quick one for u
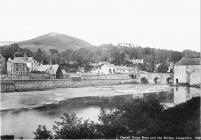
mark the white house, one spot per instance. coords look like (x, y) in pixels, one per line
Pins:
(187, 71)
(136, 61)
(108, 69)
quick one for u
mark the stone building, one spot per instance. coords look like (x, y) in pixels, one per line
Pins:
(21, 65)
(2, 64)
(53, 70)
(187, 71)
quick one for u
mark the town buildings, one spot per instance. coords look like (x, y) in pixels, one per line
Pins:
(113, 69)
(187, 71)
(136, 61)
(27, 66)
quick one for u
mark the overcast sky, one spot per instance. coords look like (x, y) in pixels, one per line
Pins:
(166, 24)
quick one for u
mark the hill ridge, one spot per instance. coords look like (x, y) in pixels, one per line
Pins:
(54, 41)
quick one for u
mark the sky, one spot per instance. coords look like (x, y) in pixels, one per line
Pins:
(165, 24)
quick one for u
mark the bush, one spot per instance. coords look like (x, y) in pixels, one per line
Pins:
(42, 133)
(136, 117)
(71, 127)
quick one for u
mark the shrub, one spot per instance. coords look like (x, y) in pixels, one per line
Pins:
(42, 133)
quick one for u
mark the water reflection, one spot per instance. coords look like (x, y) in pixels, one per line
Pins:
(24, 121)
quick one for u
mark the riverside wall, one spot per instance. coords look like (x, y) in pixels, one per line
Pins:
(29, 85)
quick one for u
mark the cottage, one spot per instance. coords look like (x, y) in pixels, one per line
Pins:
(108, 69)
(53, 70)
(187, 71)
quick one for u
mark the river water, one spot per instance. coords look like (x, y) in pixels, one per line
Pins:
(22, 112)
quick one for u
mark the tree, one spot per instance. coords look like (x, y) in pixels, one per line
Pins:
(163, 68)
(41, 56)
(142, 115)
(42, 133)
(71, 127)
(112, 124)
(176, 56)
(136, 117)
(53, 51)
(38, 56)
(190, 54)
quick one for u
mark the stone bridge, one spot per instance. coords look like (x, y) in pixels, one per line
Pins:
(154, 78)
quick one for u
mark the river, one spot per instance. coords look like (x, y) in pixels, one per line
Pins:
(22, 112)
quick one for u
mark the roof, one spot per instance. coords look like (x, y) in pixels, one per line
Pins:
(51, 69)
(94, 69)
(1, 57)
(63, 72)
(188, 61)
(22, 59)
(108, 65)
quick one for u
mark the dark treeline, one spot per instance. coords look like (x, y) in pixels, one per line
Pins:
(137, 117)
(71, 59)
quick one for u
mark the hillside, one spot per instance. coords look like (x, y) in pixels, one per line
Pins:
(54, 41)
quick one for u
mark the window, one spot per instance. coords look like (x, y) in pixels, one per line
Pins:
(110, 70)
(24, 67)
(16, 67)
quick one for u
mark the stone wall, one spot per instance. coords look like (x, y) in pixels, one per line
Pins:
(195, 77)
(105, 76)
(28, 85)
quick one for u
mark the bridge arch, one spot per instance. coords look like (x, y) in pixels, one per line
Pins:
(144, 80)
(168, 80)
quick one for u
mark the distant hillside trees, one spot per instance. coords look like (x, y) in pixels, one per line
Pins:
(10, 50)
(116, 54)
(163, 68)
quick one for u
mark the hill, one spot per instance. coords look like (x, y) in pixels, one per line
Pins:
(54, 41)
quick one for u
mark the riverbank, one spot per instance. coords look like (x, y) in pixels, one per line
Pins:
(32, 99)
(31, 85)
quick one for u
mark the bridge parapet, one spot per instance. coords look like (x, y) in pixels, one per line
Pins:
(155, 78)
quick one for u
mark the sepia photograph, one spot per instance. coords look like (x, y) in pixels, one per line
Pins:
(100, 69)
